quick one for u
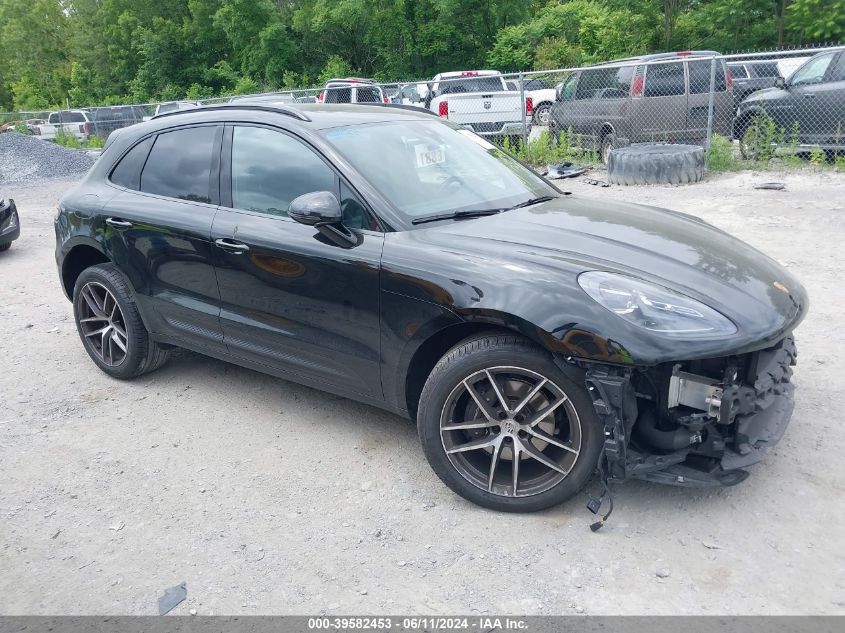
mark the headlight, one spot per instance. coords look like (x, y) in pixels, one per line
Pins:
(653, 307)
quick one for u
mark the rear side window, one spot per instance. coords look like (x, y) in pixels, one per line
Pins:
(269, 169)
(699, 77)
(605, 83)
(666, 80)
(128, 171)
(179, 165)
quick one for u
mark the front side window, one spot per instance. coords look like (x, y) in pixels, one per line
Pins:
(270, 169)
(429, 167)
(813, 71)
(179, 165)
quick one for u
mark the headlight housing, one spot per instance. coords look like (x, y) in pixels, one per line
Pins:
(655, 308)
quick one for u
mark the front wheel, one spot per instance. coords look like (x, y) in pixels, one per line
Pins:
(505, 428)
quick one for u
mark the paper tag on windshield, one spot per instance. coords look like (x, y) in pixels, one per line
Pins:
(430, 155)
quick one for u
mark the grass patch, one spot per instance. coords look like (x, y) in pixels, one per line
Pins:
(721, 155)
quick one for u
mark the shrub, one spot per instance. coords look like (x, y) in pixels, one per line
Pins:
(720, 154)
(67, 140)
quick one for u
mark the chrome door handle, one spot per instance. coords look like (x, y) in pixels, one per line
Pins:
(118, 223)
(230, 246)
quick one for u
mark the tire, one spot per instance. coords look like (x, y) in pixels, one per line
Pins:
(513, 363)
(5, 247)
(608, 143)
(541, 114)
(95, 294)
(656, 163)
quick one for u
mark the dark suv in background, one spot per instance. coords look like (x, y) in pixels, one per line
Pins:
(661, 97)
(751, 76)
(807, 109)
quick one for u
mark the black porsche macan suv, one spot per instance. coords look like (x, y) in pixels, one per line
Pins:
(389, 256)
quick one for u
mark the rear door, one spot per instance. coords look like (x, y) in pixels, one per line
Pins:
(158, 230)
(661, 113)
(698, 102)
(292, 300)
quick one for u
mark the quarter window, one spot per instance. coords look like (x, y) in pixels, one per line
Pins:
(128, 171)
(270, 169)
(179, 165)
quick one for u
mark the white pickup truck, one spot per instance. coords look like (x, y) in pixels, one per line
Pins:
(481, 101)
(71, 122)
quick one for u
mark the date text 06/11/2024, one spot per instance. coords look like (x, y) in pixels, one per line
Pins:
(417, 623)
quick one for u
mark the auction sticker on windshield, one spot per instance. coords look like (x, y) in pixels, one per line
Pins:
(429, 155)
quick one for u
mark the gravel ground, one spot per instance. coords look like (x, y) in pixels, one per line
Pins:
(267, 497)
(24, 158)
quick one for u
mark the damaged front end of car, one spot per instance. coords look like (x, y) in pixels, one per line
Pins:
(693, 423)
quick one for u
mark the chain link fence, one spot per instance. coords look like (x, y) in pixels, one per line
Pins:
(745, 107)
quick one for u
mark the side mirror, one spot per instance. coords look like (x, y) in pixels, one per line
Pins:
(321, 210)
(780, 82)
(316, 208)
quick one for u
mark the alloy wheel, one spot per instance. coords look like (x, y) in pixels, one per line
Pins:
(510, 431)
(102, 323)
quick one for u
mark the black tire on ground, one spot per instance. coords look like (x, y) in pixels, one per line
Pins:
(656, 163)
(5, 247)
(142, 354)
(505, 353)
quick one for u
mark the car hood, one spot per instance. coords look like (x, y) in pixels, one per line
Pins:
(765, 95)
(573, 234)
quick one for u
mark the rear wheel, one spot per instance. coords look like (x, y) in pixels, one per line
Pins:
(541, 114)
(110, 325)
(504, 427)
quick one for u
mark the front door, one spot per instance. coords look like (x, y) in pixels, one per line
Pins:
(291, 299)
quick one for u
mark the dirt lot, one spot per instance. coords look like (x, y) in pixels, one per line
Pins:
(268, 497)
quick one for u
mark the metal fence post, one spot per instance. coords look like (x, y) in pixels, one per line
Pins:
(710, 103)
(522, 106)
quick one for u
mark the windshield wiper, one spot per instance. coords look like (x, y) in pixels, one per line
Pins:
(457, 215)
(477, 213)
(528, 203)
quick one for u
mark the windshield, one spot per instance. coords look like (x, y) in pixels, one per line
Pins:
(428, 167)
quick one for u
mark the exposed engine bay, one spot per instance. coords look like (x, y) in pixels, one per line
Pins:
(694, 423)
